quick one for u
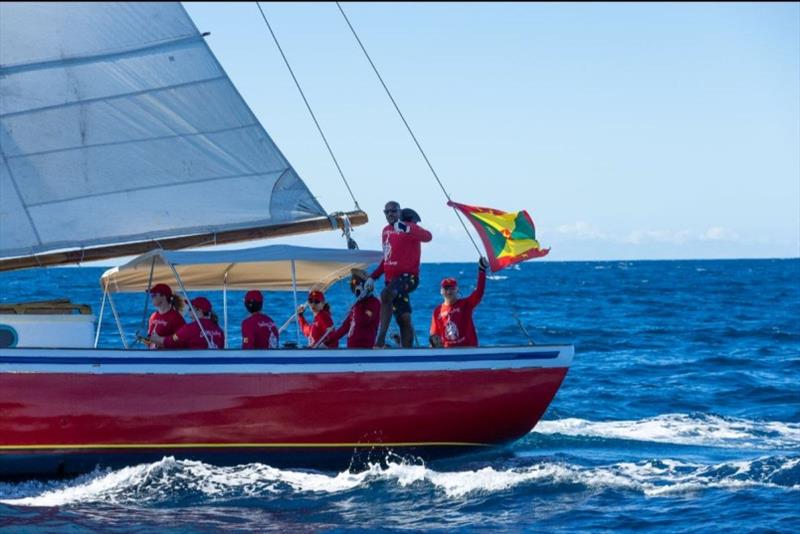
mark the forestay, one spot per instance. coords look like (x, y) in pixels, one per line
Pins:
(117, 124)
(268, 267)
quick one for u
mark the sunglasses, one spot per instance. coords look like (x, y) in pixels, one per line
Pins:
(391, 211)
(314, 301)
(448, 287)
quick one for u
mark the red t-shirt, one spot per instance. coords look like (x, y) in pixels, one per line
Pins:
(315, 330)
(453, 323)
(259, 332)
(164, 324)
(361, 324)
(191, 337)
(401, 251)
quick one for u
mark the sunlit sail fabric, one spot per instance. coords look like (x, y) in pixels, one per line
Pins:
(118, 124)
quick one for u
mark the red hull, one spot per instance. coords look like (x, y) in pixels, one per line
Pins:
(56, 417)
(467, 407)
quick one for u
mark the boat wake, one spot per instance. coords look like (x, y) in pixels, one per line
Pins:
(170, 480)
(684, 429)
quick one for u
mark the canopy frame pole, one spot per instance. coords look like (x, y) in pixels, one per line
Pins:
(189, 302)
(100, 316)
(119, 323)
(225, 306)
(294, 295)
(147, 292)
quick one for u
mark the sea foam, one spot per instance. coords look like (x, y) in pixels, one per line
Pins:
(170, 480)
(684, 429)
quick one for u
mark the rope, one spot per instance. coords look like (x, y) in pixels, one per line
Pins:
(410, 131)
(308, 106)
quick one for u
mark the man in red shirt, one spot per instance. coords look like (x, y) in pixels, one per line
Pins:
(401, 257)
(451, 324)
(190, 336)
(258, 330)
(362, 321)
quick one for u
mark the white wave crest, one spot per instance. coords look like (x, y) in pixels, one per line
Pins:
(169, 480)
(684, 429)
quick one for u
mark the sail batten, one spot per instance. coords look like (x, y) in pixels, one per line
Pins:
(118, 125)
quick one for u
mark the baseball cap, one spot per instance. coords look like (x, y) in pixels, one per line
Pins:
(161, 289)
(202, 304)
(254, 296)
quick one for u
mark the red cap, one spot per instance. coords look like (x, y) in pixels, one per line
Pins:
(449, 282)
(161, 289)
(254, 296)
(202, 304)
(316, 295)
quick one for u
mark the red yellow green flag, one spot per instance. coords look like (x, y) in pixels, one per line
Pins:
(509, 238)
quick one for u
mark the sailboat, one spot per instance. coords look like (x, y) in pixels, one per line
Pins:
(118, 131)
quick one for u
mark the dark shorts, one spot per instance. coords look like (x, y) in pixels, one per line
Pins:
(400, 288)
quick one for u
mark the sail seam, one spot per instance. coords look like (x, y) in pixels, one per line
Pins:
(319, 209)
(155, 186)
(132, 141)
(99, 56)
(113, 97)
(21, 199)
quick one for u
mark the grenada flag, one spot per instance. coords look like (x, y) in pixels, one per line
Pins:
(509, 238)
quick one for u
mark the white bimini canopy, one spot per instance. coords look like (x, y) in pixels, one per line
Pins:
(268, 267)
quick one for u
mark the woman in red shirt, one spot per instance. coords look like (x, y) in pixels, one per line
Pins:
(321, 323)
(167, 318)
(192, 336)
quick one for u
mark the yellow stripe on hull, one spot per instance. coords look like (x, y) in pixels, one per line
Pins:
(235, 445)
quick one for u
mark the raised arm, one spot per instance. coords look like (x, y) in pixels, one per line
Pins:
(304, 325)
(476, 296)
(419, 232)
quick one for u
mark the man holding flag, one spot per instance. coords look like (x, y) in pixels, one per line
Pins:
(451, 324)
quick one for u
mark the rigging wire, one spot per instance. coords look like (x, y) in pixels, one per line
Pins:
(308, 106)
(408, 127)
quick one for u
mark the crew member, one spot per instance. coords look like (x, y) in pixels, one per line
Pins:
(167, 318)
(362, 321)
(322, 324)
(451, 324)
(190, 336)
(258, 329)
(400, 265)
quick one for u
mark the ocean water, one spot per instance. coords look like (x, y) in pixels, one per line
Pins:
(681, 413)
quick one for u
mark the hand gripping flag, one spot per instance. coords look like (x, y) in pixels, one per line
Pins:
(509, 238)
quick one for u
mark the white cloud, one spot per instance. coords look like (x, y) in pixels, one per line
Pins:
(641, 237)
(718, 233)
(581, 230)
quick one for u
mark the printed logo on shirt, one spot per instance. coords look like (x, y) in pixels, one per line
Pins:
(213, 335)
(450, 331)
(387, 253)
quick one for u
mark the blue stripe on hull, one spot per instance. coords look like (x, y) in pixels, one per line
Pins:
(275, 360)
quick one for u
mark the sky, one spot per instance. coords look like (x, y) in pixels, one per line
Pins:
(628, 131)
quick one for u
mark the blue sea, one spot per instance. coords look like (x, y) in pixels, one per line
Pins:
(681, 413)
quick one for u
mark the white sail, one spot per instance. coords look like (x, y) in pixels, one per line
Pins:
(117, 124)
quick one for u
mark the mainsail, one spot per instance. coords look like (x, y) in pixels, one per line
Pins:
(118, 125)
